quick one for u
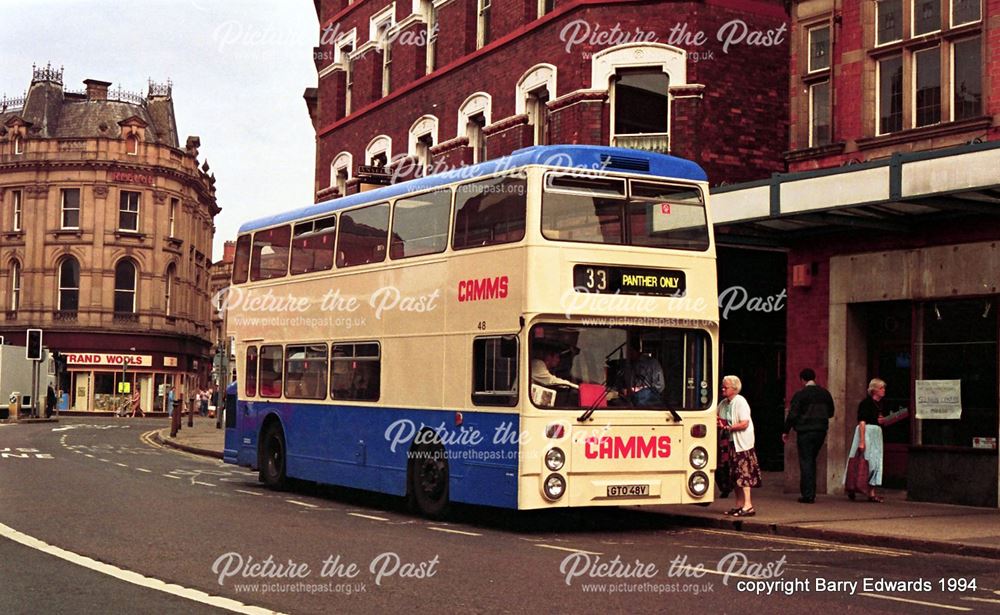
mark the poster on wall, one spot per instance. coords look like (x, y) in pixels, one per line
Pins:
(939, 399)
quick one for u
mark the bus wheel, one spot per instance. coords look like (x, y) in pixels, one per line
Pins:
(272, 461)
(429, 479)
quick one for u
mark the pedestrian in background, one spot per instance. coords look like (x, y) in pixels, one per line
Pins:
(868, 436)
(170, 400)
(809, 415)
(745, 468)
(50, 402)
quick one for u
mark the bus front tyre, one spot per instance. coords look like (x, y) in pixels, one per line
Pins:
(273, 457)
(428, 492)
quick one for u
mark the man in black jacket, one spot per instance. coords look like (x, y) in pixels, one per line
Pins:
(809, 415)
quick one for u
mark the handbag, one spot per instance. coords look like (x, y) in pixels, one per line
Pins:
(857, 475)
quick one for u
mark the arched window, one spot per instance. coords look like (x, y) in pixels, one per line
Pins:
(379, 151)
(340, 172)
(125, 287)
(69, 285)
(169, 288)
(423, 136)
(131, 145)
(536, 88)
(15, 285)
(473, 116)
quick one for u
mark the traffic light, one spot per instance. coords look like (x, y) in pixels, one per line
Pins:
(33, 350)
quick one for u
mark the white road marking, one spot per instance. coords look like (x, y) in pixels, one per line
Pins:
(172, 476)
(920, 602)
(144, 470)
(121, 464)
(568, 549)
(709, 571)
(131, 577)
(372, 517)
(198, 482)
(248, 492)
(298, 503)
(444, 529)
(989, 600)
(770, 538)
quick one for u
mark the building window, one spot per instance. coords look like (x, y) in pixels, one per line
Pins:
(345, 53)
(926, 16)
(964, 11)
(927, 87)
(16, 196)
(70, 198)
(379, 151)
(356, 371)
(819, 114)
(340, 172)
(169, 289)
(172, 221)
(967, 79)
(641, 106)
(889, 20)
(819, 48)
(535, 106)
(546, 6)
(69, 285)
(125, 279)
(380, 25)
(131, 145)
(432, 37)
(483, 24)
(18, 145)
(890, 95)
(15, 285)
(477, 140)
(422, 152)
(494, 371)
(362, 236)
(128, 211)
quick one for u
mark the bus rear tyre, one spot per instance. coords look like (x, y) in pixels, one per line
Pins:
(428, 492)
(273, 456)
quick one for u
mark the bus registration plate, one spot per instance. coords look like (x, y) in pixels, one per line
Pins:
(627, 491)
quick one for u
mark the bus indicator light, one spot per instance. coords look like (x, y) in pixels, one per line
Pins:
(555, 431)
(459, 419)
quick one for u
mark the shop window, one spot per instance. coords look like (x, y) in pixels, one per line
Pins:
(641, 106)
(489, 212)
(890, 95)
(312, 245)
(69, 285)
(494, 371)
(16, 200)
(356, 371)
(269, 257)
(362, 235)
(305, 372)
(967, 79)
(15, 285)
(420, 224)
(250, 375)
(125, 284)
(70, 203)
(128, 211)
(270, 371)
(241, 260)
(960, 343)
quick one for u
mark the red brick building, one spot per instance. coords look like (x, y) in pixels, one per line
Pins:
(430, 84)
(889, 218)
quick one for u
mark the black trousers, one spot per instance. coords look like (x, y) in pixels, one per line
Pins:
(809, 443)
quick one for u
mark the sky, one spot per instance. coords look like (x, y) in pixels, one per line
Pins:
(238, 67)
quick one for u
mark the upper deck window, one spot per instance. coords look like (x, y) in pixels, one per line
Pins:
(363, 234)
(312, 245)
(420, 224)
(269, 257)
(241, 262)
(598, 210)
(490, 212)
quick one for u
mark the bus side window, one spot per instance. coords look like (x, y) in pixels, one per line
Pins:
(494, 371)
(270, 371)
(356, 371)
(490, 212)
(241, 262)
(251, 372)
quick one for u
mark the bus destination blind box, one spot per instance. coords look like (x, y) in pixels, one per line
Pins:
(33, 346)
(606, 279)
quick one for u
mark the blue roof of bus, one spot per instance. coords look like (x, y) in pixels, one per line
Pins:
(583, 157)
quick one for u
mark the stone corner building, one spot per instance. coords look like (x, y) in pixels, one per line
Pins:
(106, 233)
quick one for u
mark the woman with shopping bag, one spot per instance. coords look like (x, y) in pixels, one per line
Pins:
(867, 448)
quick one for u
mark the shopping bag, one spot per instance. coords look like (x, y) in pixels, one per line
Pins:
(857, 475)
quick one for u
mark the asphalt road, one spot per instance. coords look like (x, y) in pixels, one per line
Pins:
(95, 518)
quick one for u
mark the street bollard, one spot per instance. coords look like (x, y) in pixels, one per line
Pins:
(175, 419)
(191, 412)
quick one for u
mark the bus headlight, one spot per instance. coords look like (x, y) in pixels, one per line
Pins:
(698, 484)
(699, 458)
(554, 487)
(555, 458)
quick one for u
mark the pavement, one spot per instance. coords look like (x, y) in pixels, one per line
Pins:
(895, 523)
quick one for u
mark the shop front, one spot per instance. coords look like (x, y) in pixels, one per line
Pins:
(102, 382)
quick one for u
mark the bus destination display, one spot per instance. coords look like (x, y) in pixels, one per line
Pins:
(606, 279)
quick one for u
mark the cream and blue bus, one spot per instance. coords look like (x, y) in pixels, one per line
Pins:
(535, 331)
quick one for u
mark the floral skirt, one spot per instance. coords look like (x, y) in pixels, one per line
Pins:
(744, 469)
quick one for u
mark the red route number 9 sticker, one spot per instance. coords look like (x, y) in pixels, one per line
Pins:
(664, 208)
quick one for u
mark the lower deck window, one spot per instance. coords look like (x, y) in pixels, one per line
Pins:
(494, 371)
(356, 371)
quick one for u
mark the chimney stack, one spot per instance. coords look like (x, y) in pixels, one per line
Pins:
(97, 90)
(229, 251)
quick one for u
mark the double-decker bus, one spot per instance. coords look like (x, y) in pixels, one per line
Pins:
(535, 331)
